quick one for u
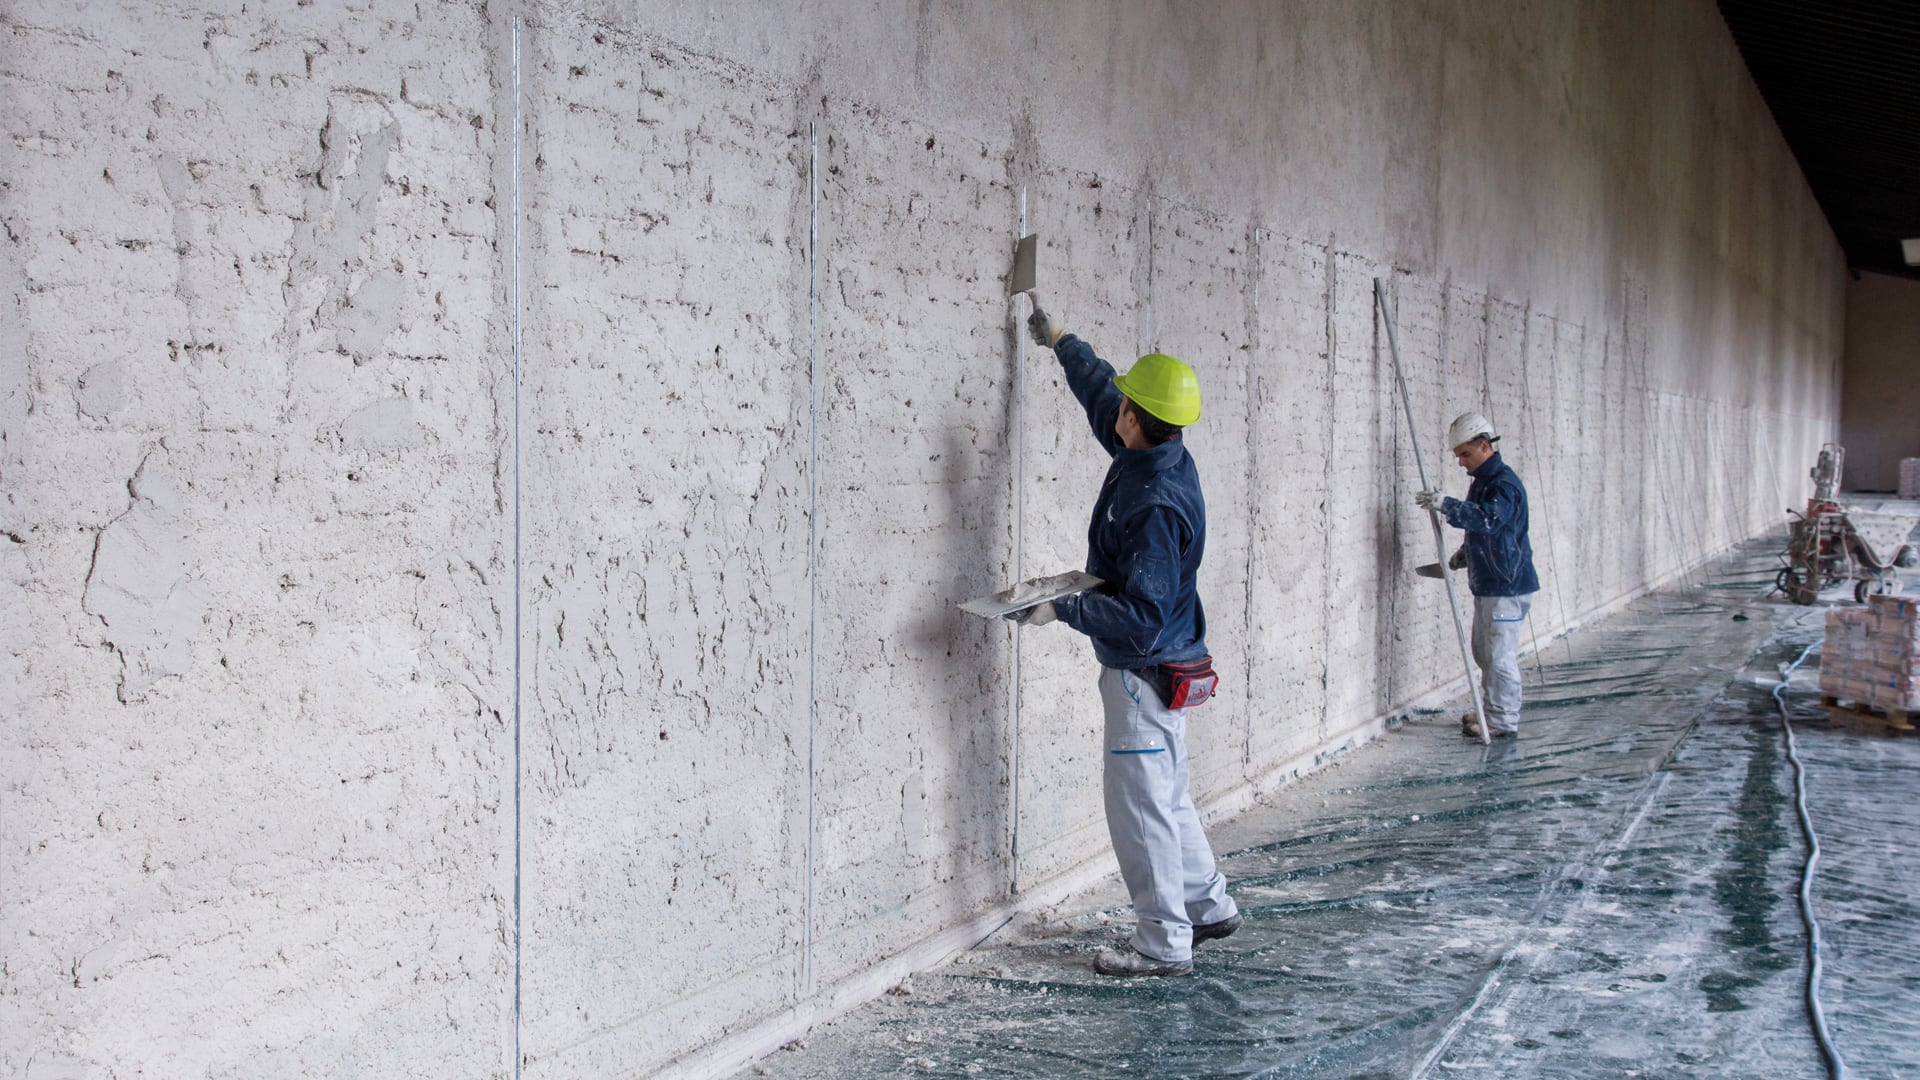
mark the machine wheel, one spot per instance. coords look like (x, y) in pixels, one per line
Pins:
(1907, 558)
(1885, 585)
(1796, 586)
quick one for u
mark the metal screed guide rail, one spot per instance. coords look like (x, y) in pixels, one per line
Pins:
(1433, 515)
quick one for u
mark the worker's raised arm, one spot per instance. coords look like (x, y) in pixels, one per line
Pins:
(1089, 377)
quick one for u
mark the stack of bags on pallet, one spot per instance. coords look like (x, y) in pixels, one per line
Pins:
(1871, 655)
(1910, 478)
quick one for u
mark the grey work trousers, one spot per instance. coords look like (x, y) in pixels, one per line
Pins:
(1496, 649)
(1163, 852)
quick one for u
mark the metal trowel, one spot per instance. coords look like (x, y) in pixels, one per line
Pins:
(1431, 569)
(1023, 263)
(1028, 593)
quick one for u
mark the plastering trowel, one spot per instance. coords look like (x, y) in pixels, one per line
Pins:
(1024, 273)
(1431, 569)
(1028, 593)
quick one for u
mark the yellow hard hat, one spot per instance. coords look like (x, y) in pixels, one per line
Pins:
(1164, 387)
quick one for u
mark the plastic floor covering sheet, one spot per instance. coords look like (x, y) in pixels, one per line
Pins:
(1614, 893)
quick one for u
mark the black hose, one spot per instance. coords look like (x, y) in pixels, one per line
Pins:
(1836, 1068)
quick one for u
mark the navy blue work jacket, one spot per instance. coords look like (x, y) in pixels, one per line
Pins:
(1148, 530)
(1494, 515)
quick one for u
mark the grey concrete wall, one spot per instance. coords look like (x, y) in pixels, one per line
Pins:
(375, 711)
(1880, 382)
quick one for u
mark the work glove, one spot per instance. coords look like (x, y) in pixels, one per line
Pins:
(1426, 500)
(1042, 327)
(1458, 561)
(1038, 615)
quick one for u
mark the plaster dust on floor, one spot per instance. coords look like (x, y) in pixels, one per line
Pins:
(1610, 894)
(485, 488)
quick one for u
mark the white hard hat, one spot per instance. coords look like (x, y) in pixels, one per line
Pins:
(1468, 427)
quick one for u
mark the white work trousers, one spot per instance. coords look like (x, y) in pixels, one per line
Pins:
(1164, 857)
(1496, 649)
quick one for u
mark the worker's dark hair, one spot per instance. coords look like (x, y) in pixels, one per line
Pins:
(1152, 428)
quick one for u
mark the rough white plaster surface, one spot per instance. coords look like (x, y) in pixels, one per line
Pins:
(369, 714)
(255, 816)
(143, 587)
(666, 499)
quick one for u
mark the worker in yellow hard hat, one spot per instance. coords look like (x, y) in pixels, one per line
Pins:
(1145, 540)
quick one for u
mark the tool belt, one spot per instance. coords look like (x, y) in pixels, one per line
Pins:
(1182, 684)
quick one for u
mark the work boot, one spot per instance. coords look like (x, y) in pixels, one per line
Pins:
(1211, 930)
(1131, 963)
(1470, 727)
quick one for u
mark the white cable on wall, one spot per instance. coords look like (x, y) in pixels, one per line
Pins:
(517, 1055)
(1251, 395)
(813, 515)
(1019, 570)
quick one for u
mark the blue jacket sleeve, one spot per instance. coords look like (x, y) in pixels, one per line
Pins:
(1495, 514)
(1135, 610)
(1091, 380)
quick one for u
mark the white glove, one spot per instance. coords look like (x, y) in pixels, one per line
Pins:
(1426, 500)
(1044, 330)
(1038, 615)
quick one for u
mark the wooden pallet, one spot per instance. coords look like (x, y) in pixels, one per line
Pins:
(1869, 719)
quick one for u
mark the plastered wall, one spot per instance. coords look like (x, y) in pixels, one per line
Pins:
(1880, 392)
(479, 593)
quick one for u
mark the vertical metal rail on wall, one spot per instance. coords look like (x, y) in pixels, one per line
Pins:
(1251, 394)
(1433, 515)
(517, 1056)
(813, 514)
(1330, 298)
(1019, 569)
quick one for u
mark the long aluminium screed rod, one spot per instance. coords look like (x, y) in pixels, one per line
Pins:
(1433, 513)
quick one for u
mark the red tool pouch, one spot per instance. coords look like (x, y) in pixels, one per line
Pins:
(1185, 683)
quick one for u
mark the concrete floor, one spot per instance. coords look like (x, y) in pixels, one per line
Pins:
(1613, 894)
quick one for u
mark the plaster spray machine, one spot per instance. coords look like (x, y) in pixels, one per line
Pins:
(1830, 543)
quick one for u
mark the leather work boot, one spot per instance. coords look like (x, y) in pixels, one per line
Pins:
(1470, 727)
(1130, 963)
(1209, 931)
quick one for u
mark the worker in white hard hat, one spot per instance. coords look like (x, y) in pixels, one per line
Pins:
(1498, 559)
(1148, 630)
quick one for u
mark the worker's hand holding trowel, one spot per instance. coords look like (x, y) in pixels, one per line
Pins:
(1041, 325)
(1456, 561)
(1038, 615)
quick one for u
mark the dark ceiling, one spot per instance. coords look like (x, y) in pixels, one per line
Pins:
(1843, 81)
